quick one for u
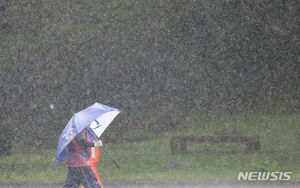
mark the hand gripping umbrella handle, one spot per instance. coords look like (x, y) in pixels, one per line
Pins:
(109, 156)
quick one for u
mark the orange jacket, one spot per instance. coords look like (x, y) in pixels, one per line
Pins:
(95, 159)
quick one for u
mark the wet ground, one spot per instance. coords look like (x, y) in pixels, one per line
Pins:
(167, 184)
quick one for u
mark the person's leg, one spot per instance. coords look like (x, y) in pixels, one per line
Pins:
(72, 179)
(88, 178)
(96, 173)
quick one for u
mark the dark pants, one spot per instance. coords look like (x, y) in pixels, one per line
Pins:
(81, 175)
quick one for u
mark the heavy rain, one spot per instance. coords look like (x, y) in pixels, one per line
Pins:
(208, 91)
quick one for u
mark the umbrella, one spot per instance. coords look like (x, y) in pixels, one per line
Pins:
(92, 115)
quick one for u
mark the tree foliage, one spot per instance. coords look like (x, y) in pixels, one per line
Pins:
(142, 56)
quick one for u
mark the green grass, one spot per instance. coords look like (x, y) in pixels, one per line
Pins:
(151, 159)
(30, 166)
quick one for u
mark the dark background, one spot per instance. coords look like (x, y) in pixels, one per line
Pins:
(157, 61)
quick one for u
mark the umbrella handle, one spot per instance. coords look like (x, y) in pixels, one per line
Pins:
(109, 156)
(112, 159)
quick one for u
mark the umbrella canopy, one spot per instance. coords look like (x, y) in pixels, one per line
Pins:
(92, 115)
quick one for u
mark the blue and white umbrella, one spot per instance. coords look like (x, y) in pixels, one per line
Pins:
(99, 116)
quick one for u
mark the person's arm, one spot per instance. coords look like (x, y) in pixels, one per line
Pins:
(82, 140)
(84, 143)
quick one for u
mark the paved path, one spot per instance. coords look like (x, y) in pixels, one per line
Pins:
(169, 184)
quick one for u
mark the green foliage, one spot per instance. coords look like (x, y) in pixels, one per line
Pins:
(153, 59)
(160, 62)
(264, 164)
(152, 160)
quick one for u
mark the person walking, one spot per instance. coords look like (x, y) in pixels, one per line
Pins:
(95, 159)
(79, 163)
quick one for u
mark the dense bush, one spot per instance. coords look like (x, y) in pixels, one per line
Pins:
(140, 56)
